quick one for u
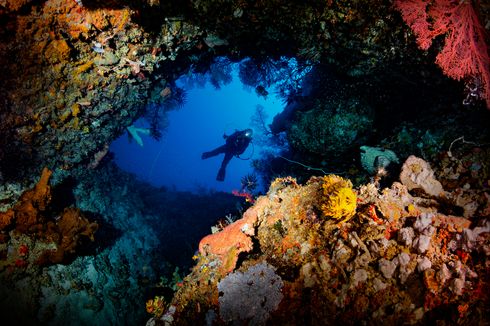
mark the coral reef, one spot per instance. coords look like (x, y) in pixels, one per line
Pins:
(258, 289)
(465, 53)
(25, 215)
(332, 128)
(417, 174)
(402, 258)
(156, 306)
(231, 241)
(89, 68)
(77, 74)
(111, 278)
(40, 237)
(94, 68)
(339, 199)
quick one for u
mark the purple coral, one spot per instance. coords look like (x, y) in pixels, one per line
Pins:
(250, 296)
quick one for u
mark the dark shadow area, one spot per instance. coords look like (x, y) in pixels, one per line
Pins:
(105, 237)
(150, 15)
(15, 158)
(62, 195)
(185, 218)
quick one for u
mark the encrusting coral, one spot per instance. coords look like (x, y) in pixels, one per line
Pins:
(400, 258)
(231, 241)
(24, 216)
(41, 237)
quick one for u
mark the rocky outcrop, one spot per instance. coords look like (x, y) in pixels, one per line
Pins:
(399, 259)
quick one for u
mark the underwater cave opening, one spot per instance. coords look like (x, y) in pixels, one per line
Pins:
(212, 108)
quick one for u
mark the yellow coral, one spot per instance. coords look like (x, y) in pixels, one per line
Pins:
(156, 306)
(339, 199)
(84, 67)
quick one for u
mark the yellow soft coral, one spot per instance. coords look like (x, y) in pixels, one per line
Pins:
(339, 199)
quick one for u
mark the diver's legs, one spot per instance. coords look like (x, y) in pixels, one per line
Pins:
(222, 169)
(214, 152)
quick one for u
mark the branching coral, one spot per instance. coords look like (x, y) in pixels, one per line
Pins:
(339, 199)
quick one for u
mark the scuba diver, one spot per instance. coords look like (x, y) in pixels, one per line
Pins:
(236, 144)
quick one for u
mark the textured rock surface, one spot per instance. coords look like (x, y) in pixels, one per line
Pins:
(76, 74)
(344, 273)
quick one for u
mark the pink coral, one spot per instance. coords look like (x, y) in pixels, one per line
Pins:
(248, 196)
(23, 250)
(465, 53)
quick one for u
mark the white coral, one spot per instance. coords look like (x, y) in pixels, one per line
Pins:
(360, 276)
(444, 274)
(387, 268)
(406, 235)
(423, 264)
(423, 221)
(422, 243)
(403, 258)
(417, 174)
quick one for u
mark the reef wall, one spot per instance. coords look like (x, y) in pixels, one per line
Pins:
(77, 73)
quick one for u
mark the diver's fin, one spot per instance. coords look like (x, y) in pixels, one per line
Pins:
(221, 174)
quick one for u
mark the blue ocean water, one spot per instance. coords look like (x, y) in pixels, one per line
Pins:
(175, 161)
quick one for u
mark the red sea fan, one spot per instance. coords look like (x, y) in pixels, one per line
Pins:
(465, 53)
(414, 13)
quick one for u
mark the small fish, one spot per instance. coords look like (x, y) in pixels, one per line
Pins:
(98, 47)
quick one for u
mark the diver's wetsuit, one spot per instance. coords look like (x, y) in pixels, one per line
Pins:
(235, 145)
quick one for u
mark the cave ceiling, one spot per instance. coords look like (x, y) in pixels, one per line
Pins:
(77, 73)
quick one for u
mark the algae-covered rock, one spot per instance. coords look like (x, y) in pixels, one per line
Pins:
(396, 250)
(331, 128)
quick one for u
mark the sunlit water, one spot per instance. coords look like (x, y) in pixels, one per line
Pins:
(175, 161)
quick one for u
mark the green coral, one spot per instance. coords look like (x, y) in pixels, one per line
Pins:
(331, 128)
